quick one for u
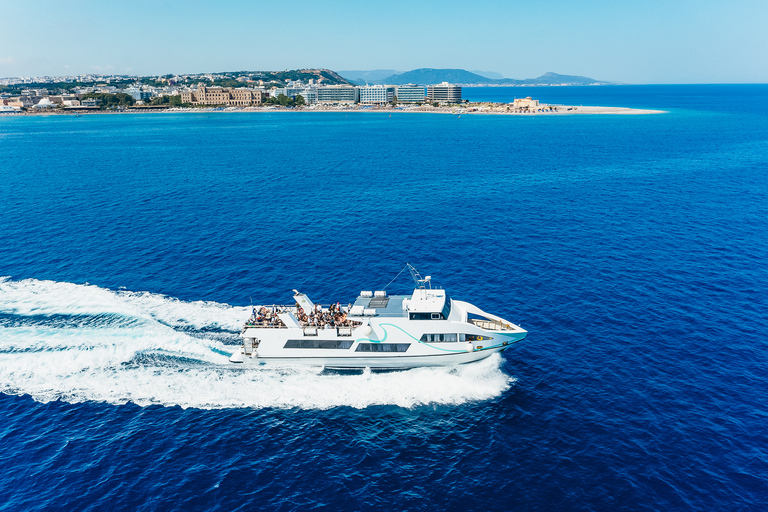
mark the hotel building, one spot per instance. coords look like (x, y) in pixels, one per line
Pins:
(444, 93)
(410, 93)
(222, 96)
(376, 94)
(329, 94)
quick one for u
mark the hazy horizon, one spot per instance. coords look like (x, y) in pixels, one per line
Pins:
(653, 43)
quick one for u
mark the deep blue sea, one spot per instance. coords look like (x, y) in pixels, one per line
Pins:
(633, 248)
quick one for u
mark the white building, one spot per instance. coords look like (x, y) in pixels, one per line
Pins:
(137, 94)
(376, 94)
(291, 89)
(410, 93)
(308, 92)
(45, 103)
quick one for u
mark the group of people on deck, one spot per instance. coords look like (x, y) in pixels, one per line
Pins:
(267, 317)
(334, 316)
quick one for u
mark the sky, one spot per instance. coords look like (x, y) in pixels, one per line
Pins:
(638, 42)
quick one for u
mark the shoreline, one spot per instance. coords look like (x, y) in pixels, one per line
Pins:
(470, 109)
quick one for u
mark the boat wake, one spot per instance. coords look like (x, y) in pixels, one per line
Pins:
(77, 343)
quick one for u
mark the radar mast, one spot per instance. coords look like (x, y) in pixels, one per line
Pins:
(421, 282)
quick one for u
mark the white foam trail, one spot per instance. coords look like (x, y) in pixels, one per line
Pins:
(156, 357)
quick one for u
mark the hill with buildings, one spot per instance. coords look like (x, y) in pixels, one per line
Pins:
(323, 76)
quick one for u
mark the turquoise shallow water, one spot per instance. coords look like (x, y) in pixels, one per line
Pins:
(632, 248)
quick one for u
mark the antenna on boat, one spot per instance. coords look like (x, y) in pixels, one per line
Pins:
(420, 281)
(398, 275)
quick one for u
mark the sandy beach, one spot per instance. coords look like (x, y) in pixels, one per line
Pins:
(469, 109)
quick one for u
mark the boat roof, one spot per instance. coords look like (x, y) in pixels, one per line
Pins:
(427, 300)
(422, 301)
(391, 305)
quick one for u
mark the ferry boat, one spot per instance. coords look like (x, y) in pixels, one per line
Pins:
(377, 331)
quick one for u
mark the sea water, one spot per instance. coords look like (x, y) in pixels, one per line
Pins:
(632, 248)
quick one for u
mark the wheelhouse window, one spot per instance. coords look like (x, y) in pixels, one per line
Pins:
(446, 308)
(473, 337)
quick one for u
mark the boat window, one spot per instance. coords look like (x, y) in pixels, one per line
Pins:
(447, 308)
(439, 338)
(315, 343)
(383, 347)
(427, 316)
(473, 337)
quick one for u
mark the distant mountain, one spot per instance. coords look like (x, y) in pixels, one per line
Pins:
(489, 74)
(555, 79)
(371, 76)
(429, 76)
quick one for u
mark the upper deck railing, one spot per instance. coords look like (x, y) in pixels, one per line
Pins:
(274, 321)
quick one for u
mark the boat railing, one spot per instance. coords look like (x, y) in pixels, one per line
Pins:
(276, 324)
(342, 329)
(263, 325)
(490, 325)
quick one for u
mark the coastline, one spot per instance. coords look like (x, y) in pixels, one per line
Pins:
(470, 109)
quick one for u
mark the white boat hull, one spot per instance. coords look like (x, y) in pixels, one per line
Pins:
(370, 361)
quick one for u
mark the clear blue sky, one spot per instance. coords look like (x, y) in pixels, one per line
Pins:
(650, 41)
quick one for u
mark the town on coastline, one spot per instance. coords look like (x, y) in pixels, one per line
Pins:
(309, 89)
(326, 91)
